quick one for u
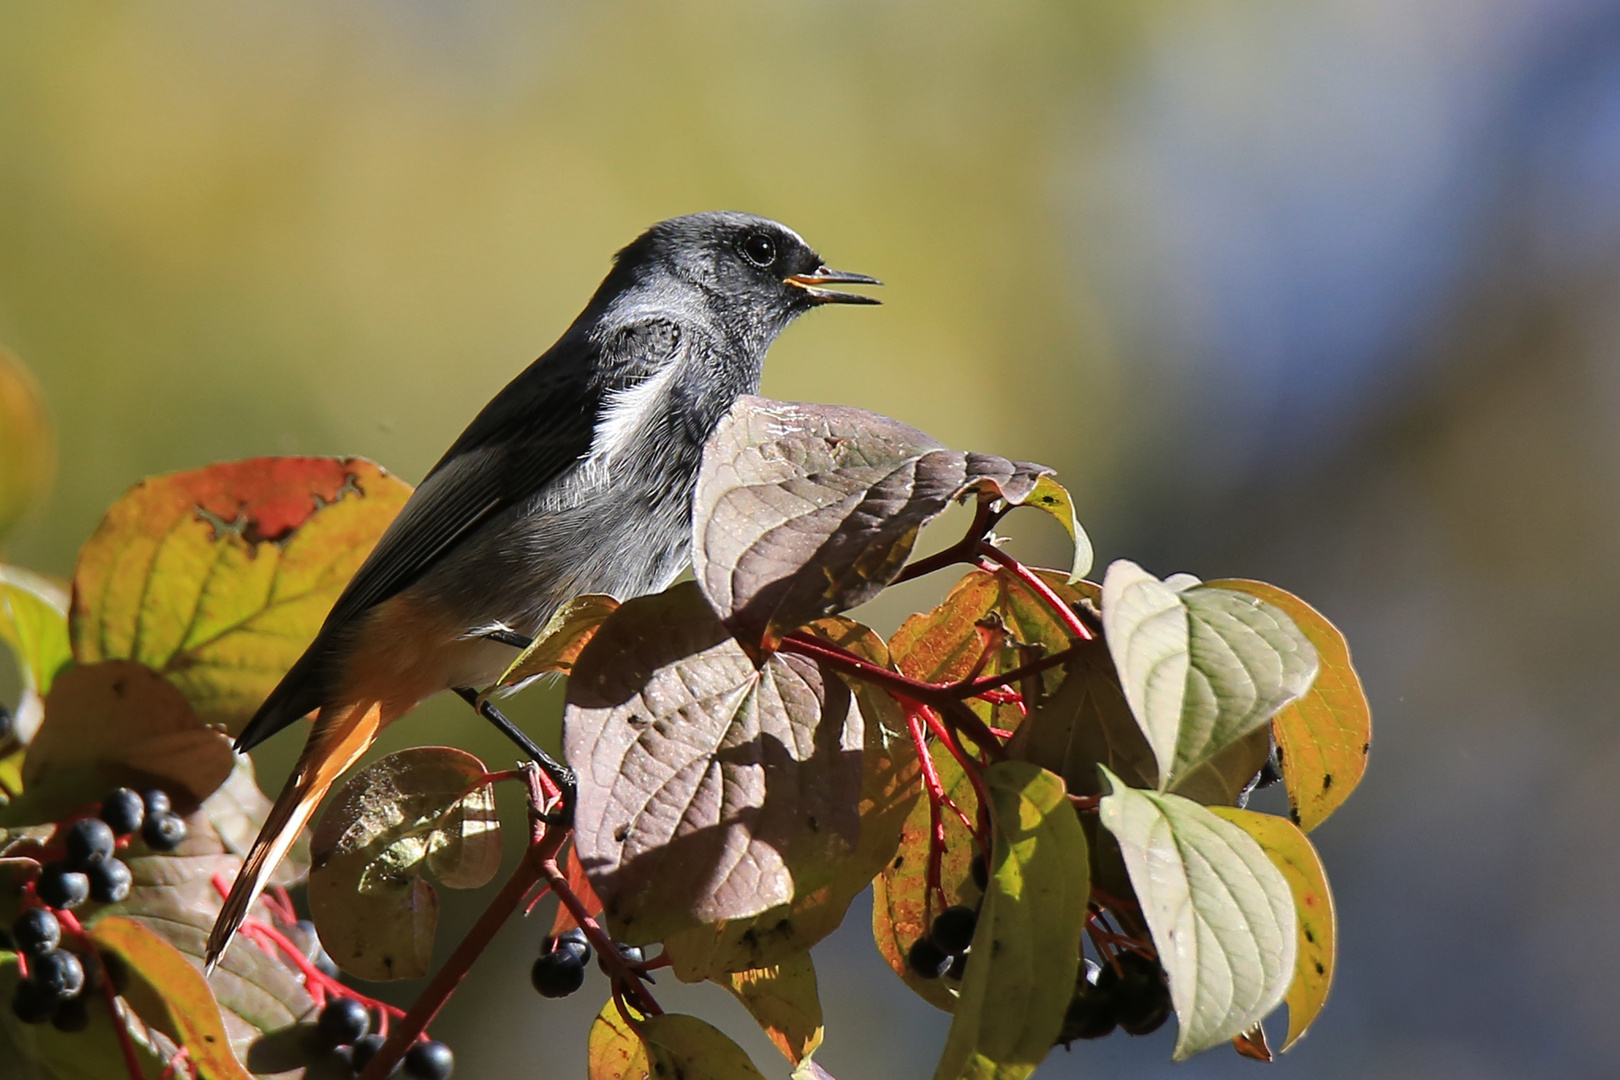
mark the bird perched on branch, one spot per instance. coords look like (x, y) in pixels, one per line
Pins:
(577, 478)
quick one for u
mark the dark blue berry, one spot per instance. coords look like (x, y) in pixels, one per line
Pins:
(364, 1050)
(156, 802)
(430, 1061)
(61, 888)
(72, 1014)
(123, 811)
(36, 932)
(57, 973)
(927, 960)
(163, 831)
(558, 974)
(109, 881)
(573, 940)
(343, 1022)
(953, 929)
(630, 954)
(31, 1004)
(89, 841)
(979, 871)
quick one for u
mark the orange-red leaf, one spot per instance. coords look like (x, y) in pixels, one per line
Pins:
(219, 577)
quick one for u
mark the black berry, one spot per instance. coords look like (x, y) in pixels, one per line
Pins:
(953, 929)
(62, 888)
(958, 970)
(573, 940)
(31, 1004)
(927, 960)
(429, 1061)
(6, 725)
(72, 1014)
(1138, 993)
(1088, 1015)
(123, 811)
(57, 973)
(36, 932)
(109, 881)
(980, 871)
(630, 954)
(89, 841)
(156, 802)
(364, 1050)
(163, 831)
(558, 974)
(343, 1022)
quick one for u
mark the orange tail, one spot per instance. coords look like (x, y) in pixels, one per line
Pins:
(341, 734)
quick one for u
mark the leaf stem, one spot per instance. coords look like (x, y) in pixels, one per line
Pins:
(964, 550)
(1033, 581)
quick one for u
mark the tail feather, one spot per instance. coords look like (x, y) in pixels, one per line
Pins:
(341, 735)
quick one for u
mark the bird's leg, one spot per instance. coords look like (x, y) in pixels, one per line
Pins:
(560, 774)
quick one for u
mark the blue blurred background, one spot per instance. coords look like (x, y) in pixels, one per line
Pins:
(1325, 292)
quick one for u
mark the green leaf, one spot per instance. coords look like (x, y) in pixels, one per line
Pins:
(686, 1048)
(1323, 737)
(1202, 667)
(783, 999)
(1222, 916)
(112, 723)
(709, 789)
(1054, 498)
(559, 644)
(27, 449)
(33, 623)
(802, 511)
(40, 1052)
(218, 578)
(426, 809)
(170, 995)
(614, 1050)
(1293, 854)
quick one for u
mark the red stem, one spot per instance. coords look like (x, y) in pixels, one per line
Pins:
(1071, 621)
(936, 823)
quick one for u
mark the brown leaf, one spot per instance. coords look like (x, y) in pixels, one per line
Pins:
(709, 789)
(218, 578)
(418, 810)
(559, 644)
(783, 999)
(803, 511)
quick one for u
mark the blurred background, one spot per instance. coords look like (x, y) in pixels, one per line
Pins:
(1324, 292)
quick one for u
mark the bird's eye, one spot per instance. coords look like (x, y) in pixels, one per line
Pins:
(759, 249)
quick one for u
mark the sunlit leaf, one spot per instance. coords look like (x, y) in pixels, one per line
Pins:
(783, 999)
(27, 450)
(709, 789)
(1202, 667)
(113, 723)
(614, 1051)
(1294, 855)
(803, 511)
(1084, 723)
(417, 811)
(218, 578)
(1026, 948)
(1222, 916)
(33, 624)
(901, 908)
(170, 995)
(686, 1048)
(559, 644)
(564, 919)
(1054, 498)
(1324, 736)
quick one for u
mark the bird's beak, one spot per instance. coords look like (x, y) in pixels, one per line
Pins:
(812, 284)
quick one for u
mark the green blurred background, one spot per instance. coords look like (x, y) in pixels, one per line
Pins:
(1321, 292)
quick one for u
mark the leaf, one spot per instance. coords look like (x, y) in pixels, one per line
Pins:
(218, 578)
(1087, 722)
(27, 449)
(614, 1051)
(176, 896)
(1221, 914)
(1026, 949)
(944, 644)
(802, 511)
(33, 623)
(426, 809)
(901, 912)
(1285, 844)
(686, 1048)
(1323, 737)
(561, 641)
(1054, 498)
(1202, 667)
(112, 723)
(564, 919)
(783, 999)
(40, 1052)
(889, 788)
(171, 995)
(708, 789)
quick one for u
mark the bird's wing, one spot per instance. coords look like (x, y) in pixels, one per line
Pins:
(532, 432)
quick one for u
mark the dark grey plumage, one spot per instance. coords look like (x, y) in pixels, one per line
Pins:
(577, 476)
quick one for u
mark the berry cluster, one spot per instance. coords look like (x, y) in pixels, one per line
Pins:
(943, 952)
(58, 980)
(1129, 991)
(560, 969)
(345, 1026)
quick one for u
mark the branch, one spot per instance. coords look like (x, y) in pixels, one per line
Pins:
(1063, 611)
(964, 550)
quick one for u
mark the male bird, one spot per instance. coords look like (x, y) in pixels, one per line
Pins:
(577, 478)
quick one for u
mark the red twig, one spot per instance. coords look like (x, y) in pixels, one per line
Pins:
(132, 1061)
(181, 1057)
(964, 550)
(1063, 611)
(969, 768)
(936, 823)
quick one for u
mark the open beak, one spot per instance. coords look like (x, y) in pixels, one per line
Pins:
(812, 284)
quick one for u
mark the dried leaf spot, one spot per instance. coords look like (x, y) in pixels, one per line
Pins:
(1320, 970)
(1327, 781)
